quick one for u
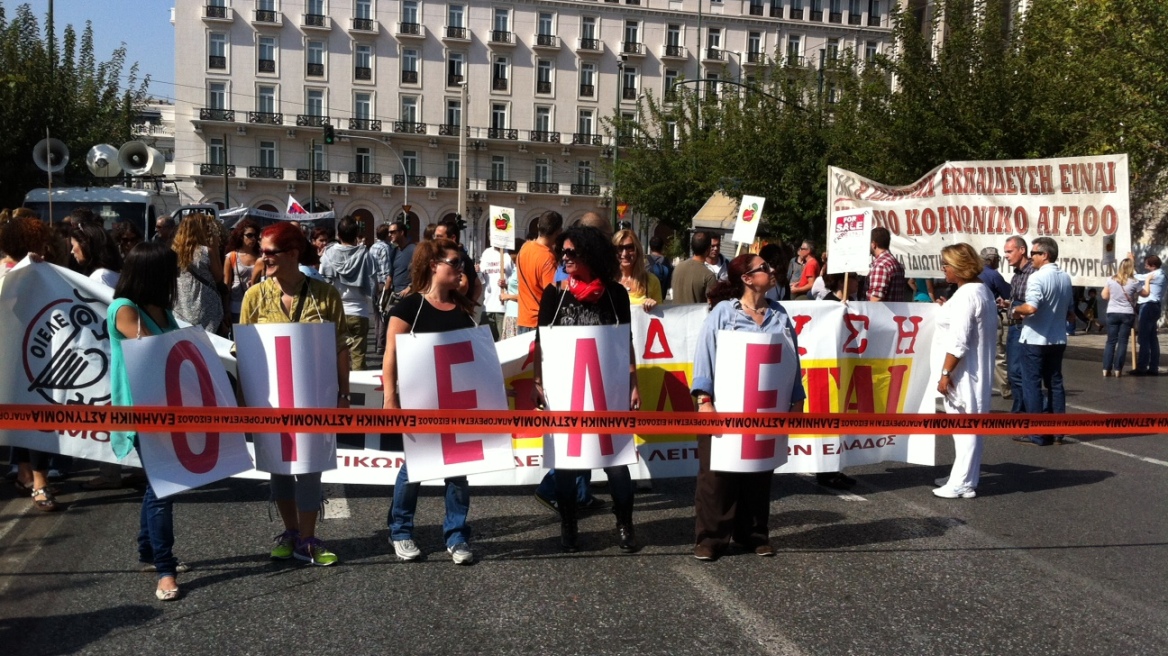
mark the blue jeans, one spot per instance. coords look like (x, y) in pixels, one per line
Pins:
(1118, 330)
(156, 533)
(1014, 366)
(547, 487)
(1042, 381)
(405, 503)
(1149, 356)
(620, 483)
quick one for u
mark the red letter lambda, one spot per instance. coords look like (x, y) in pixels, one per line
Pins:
(587, 372)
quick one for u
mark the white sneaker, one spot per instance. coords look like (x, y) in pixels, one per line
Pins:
(406, 550)
(461, 553)
(947, 492)
(941, 482)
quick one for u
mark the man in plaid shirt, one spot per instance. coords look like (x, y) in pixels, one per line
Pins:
(886, 276)
(1015, 251)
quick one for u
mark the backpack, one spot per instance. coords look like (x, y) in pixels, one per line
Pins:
(659, 267)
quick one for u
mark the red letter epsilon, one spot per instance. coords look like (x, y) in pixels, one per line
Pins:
(445, 357)
(755, 399)
(588, 367)
(197, 463)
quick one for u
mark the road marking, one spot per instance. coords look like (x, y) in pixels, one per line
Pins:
(1108, 449)
(336, 506)
(760, 628)
(20, 509)
(848, 496)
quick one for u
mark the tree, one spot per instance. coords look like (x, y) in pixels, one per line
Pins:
(79, 100)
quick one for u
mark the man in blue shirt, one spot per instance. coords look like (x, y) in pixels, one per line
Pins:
(1044, 336)
(1016, 257)
(1150, 304)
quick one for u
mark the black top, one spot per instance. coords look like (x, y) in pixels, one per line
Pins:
(431, 319)
(574, 313)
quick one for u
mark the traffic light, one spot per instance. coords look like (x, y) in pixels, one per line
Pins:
(330, 135)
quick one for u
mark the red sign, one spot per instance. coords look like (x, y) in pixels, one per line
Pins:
(621, 208)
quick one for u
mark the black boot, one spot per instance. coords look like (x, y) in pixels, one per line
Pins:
(624, 527)
(568, 528)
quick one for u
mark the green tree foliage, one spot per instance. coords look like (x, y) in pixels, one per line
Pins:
(1069, 78)
(81, 101)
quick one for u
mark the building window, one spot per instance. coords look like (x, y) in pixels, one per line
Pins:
(546, 24)
(454, 16)
(588, 79)
(588, 28)
(543, 76)
(870, 51)
(364, 160)
(409, 109)
(217, 95)
(454, 113)
(315, 58)
(498, 167)
(409, 66)
(217, 50)
(499, 116)
(363, 57)
(832, 52)
(267, 54)
(584, 175)
(632, 32)
(670, 81)
(543, 119)
(318, 157)
(754, 45)
(363, 10)
(268, 154)
(409, 12)
(500, 73)
(454, 69)
(584, 124)
(794, 50)
(629, 83)
(215, 152)
(315, 102)
(410, 159)
(363, 106)
(502, 20)
(452, 166)
(714, 39)
(542, 172)
(266, 99)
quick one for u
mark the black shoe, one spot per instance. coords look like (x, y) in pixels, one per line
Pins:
(593, 504)
(1022, 439)
(835, 480)
(550, 504)
(628, 538)
(1138, 372)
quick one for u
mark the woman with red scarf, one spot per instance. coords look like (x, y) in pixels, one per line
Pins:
(590, 296)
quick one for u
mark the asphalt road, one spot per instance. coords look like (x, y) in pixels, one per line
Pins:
(1065, 551)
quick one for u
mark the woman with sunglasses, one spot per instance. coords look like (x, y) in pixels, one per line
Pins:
(289, 296)
(437, 306)
(735, 506)
(590, 296)
(239, 268)
(644, 288)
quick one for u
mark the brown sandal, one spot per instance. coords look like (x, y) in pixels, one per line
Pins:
(49, 504)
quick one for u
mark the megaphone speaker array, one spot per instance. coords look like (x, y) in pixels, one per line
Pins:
(50, 155)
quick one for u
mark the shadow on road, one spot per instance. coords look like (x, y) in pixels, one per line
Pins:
(68, 634)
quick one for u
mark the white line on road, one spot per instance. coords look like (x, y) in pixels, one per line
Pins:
(753, 624)
(1084, 408)
(336, 507)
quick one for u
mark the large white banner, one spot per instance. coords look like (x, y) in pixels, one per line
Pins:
(456, 370)
(1080, 202)
(181, 368)
(586, 368)
(753, 373)
(289, 365)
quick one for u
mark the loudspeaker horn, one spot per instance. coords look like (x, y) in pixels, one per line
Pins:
(102, 160)
(50, 155)
(136, 158)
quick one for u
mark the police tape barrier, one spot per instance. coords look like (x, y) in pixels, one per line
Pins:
(316, 420)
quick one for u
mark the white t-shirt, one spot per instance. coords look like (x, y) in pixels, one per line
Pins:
(489, 278)
(105, 277)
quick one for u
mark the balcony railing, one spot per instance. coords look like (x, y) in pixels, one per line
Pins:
(587, 90)
(310, 121)
(543, 86)
(502, 133)
(216, 11)
(590, 44)
(453, 80)
(455, 32)
(547, 41)
(501, 36)
(499, 84)
(410, 127)
(361, 177)
(265, 16)
(448, 130)
(315, 20)
(314, 70)
(362, 73)
(794, 60)
(586, 139)
(670, 95)
(399, 179)
(267, 66)
(449, 183)
(676, 51)
(796, 14)
(632, 48)
(412, 29)
(208, 114)
(217, 61)
(754, 58)
(816, 15)
(502, 185)
(776, 11)
(409, 77)
(874, 21)
(756, 9)
(217, 169)
(714, 54)
(543, 136)
(855, 19)
(585, 190)
(365, 124)
(363, 24)
(835, 17)
(319, 175)
(265, 172)
(265, 118)
(629, 93)
(543, 187)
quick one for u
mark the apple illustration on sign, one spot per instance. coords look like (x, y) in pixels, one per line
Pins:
(749, 213)
(502, 221)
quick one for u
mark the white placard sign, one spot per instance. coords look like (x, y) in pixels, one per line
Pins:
(502, 227)
(850, 241)
(753, 373)
(749, 216)
(456, 370)
(181, 369)
(586, 368)
(290, 365)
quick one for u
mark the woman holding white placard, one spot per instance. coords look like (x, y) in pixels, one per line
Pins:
(287, 295)
(590, 296)
(436, 273)
(732, 505)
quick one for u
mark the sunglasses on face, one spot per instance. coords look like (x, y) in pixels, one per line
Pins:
(272, 252)
(454, 262)
(569, 253)
(1033, 253)
(764, 268)
(627, 248)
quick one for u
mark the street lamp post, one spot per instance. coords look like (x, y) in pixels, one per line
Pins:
(616, 117)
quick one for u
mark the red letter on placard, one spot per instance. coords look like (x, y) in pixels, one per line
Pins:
(675, 390)
(656, 335)
(287, 393)
(588, 372)
(801, 320)
(197, 463)
(857, 325)
(755, 399)
(445, 357)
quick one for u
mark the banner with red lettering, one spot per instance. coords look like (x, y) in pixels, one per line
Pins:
(181, 368)
(753, 372)
(1080, 202)
(586, 368)
(456, 370)
(289, 365)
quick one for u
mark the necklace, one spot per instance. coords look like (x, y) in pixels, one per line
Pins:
(753, 309)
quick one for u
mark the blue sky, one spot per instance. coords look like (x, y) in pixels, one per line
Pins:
(143, 25)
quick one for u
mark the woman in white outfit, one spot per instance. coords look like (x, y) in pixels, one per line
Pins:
(963, 349)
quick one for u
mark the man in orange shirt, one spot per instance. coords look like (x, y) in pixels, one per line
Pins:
(537, 268)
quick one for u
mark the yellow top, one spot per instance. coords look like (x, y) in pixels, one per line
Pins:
(654, 292)
(261, 304)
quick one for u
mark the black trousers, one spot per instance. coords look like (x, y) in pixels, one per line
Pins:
(730, 505)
